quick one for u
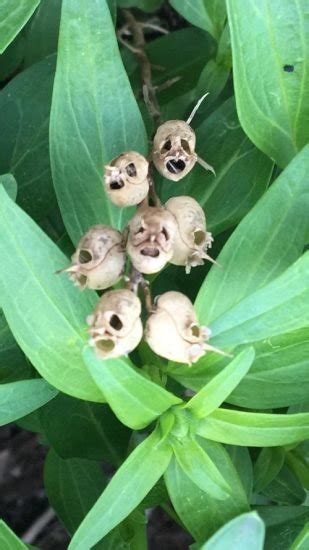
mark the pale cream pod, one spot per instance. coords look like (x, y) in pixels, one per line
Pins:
(174, 149)
(126, 179)
(99, 260)
(115, 325)
(151, 238)
(192, 239)
(173, 331)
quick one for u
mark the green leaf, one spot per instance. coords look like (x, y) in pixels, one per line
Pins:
(200, 468)
(94, 111)
(245, 531)
(302, 541)
(268, 466)
(260, 248)
(255, 430)
(8, 539)
(219, 388)
(131, 483)
(72, 487)
(14, 14)
(241, 459)
(44, 311)
(210, 15)
(20, 398)
(43, 30)
(10, 185)
(272, 104)
(222, 142)
(283, 524)
(81, 429)
(13, 364)
(280, 307)
(24, 143)
(193, 505)
(135, 400)
(285, 488)
(145, 5)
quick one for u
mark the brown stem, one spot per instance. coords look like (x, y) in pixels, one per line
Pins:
(137, 279)
(149, 91)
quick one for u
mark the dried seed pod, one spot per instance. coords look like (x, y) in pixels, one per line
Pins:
(126, 179)
(99, 259)
(192, 239)
(173, 330)
(151, 238)
(115, 325)
(174, 149)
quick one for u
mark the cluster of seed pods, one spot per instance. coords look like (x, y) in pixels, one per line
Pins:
(173, 233)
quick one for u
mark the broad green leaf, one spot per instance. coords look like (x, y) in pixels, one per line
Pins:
(222, 142)
(131, 483)
(24, 143)
(297, 460)
(280, 307)
(79, 429)
(20, 398)
(241, 533)
(285, 489)
(283, 524)
(72, 487)
(302, 541)
(94, 116)
(201, 513)
(9, 183)
(14, 14)
(219, 388)
(145, 5)
(241, 459)
(278, 377)
(12, 58)
(8, 539)
(267, 466)
(210, 15)
(260, 248)
(271, 80)
(13, 364)
(200, 468)
(44, 311)
(42, 32)
(254, 429)
(135, 400)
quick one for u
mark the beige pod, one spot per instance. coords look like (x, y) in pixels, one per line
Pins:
(99, 260)
(115, 325)
(173, 331)
(192, 239)
(150, 238)
(174, 149)
(126, 179)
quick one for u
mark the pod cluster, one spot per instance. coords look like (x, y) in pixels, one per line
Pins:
(173, 233)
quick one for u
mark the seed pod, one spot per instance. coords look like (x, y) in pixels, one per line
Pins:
(192, 239)
(126, 179)
(99, 259)
(173, 331)
(115, 325)
(174, 149)
(151, 238)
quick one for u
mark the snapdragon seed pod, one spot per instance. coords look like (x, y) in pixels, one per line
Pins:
(126, 179)
(99, 260)
(173, 331)
(151, 238)
(115, 325)
(192, 238)
(174, 149)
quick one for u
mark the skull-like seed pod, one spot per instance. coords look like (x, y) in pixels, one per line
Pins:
(173, 331)
(151, 238)
(192, 239)
(126, 179)
(115, 325)
(99, 260)
(174, 149)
